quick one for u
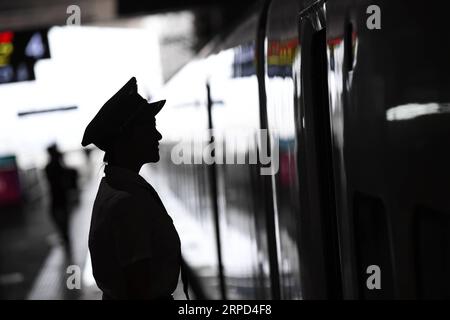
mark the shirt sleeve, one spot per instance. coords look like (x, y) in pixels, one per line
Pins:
(131, 231)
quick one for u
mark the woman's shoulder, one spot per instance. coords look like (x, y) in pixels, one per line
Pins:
(121, 204)
(113, 196)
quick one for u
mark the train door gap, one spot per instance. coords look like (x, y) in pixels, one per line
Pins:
(348, 43)
(325, 162)
(318, 145)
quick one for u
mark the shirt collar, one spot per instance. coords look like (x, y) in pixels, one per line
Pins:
(125, 178)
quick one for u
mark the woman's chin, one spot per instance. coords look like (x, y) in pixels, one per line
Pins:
(154, 158)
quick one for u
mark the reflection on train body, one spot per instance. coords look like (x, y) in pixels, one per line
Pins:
(361, 117)
(282, 57)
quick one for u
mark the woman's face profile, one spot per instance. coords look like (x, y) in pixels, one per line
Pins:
(145, 140)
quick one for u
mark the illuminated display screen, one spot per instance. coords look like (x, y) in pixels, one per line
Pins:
(19, 51)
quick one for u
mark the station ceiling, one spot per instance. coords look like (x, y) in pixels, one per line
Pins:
(27, 14)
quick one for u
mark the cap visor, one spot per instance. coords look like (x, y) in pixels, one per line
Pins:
(157, 106)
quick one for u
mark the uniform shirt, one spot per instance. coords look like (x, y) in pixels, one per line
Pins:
(129, 223)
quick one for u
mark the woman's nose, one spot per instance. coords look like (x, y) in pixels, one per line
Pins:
(159, 135)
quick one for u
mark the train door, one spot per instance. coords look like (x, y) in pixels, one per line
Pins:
(298, 116)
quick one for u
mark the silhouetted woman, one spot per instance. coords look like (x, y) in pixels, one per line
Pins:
(134, 247)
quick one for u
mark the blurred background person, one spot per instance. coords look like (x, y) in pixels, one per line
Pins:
(60, 181)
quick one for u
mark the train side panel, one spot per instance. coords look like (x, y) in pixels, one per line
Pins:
(389, 92)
